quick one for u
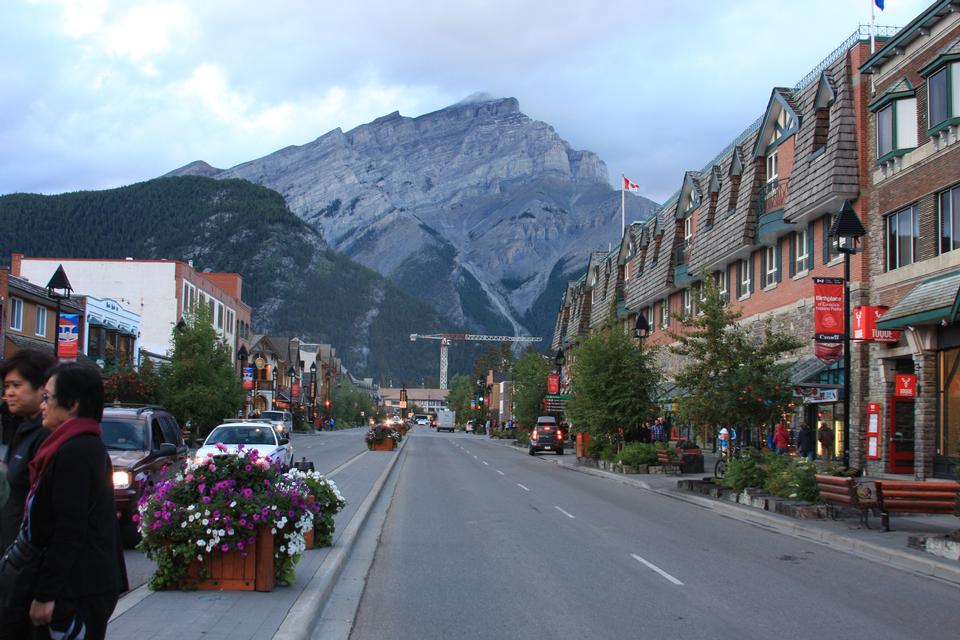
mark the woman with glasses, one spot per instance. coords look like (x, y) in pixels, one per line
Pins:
(70, 513)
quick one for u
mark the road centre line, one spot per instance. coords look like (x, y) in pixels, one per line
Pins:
(501, 472)
(566, 513)
(654, 567)
(485, 462)
(522, 487)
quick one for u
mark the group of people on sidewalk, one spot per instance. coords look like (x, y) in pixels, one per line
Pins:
(61, 563)
(780, 439)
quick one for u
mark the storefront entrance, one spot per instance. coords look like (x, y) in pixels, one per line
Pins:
(901, 435)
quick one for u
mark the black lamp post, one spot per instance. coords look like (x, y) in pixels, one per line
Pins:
(273, 398)
(313, 388)
(326, 400)
(242, 359)
(58, 289)
(559, 360)
(846, 232)
(291, 376)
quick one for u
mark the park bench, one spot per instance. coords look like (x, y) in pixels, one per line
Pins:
(665, 458)
(896, 496)
(838, 491)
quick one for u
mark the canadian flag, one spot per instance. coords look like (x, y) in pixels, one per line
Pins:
(630, 186)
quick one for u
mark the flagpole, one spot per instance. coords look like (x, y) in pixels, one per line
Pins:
(873, 27)
(623, 205)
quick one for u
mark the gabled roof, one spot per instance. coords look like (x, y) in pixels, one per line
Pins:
(826, 93)
(715, 179)
(736, 162)
(902, 89)
(689, 191)
(781, 99)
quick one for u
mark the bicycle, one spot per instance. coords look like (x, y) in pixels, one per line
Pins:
(727, 453)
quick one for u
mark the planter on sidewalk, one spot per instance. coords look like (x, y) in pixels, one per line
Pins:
(235, 570)
(385, 445)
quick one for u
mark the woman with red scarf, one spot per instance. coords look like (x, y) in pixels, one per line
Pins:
(70, 513)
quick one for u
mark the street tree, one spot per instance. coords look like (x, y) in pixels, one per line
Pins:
(615, 385)
(461, 392)
(529, 387)
(199, 384)
(730, 376)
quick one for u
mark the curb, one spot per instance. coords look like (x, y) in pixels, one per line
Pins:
(306, 610)
(901, 559)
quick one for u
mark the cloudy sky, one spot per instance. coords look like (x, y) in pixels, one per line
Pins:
(101, 93)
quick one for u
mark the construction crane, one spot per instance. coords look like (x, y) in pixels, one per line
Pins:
(446, 338)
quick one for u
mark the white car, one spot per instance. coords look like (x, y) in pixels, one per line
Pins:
(252, 435)
(282, 421)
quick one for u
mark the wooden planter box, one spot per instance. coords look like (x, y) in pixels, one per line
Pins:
(386, 445)
(232, 571)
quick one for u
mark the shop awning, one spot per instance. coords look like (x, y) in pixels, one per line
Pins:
(94, 320)
(804, 369)
(929, 302)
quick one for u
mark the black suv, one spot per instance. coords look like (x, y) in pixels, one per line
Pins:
(145, 446)
(547, 436)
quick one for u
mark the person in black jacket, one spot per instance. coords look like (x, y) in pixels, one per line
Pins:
(23, 375)
(70, 513)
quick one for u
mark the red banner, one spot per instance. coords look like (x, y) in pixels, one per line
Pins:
(906, 384)
(68, 336)
(865, 326)
(553, 384)
(828, 309)
(828, 353)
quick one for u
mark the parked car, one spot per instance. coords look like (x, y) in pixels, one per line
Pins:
(547, 436)
(282, 421)
(145, 447)
(251, 435)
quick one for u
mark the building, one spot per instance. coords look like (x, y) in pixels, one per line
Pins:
(112, 334)
(914, 223)
(754, 219)
(28, 316)
(159, 291)
(428, 400)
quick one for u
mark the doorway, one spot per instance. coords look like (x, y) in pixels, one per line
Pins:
(901, 431)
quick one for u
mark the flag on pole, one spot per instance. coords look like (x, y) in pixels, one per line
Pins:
(879, 4)
(630, 186)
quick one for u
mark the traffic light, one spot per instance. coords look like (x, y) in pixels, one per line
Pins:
(326, 403)
(480, 400)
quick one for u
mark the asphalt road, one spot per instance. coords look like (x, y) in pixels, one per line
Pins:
(482, 542)
(328, 450)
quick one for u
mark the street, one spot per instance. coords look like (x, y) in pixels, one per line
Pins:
(484, 542)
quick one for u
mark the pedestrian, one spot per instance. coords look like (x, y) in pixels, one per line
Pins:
(657, 432)
(724, 436)
(781, 439)
(825, 436)
(805, 444)
(4, 485)
(70, 516)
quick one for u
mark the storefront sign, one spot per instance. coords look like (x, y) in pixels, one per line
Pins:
(553, 384)
(828, 309)
(248, 378)
(817, 394)
(906, 385)
(873, 430)
(295, 392)
(68, 336)
(865, 325)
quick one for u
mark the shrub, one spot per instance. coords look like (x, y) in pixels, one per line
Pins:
(749, 470)
(522, 435)
(639, 453)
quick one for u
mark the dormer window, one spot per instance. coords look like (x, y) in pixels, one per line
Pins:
(943, 88)
(896, 121)
(781, 126)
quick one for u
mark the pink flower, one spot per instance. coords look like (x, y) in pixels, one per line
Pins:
(248, 468)
(188, 477)
(206, 499)
(135, 517)
(222, 447)
(246, 492)
(212, 467)
(225, 547)
(201, 488)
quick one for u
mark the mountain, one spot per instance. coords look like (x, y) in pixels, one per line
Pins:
(477, 209)
(294, 282)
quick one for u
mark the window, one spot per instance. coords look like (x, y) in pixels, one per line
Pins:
(651, 320)
(219, 316)
(770, 264)
(40, 324)
(949, 206)
(828, 250)
(229, 321)
(665, 312)
(885, 131)
(821, 128)
(745, 272)
(687, 299)
(16, 314)
(688, 229)
(903, 230)
(772, 167)
(896, 128)
(722, 278)
(937, 102)
(802, 257)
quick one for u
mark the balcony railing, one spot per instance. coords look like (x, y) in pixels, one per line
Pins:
(773, 195)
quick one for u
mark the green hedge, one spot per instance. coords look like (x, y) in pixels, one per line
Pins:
(782, 476)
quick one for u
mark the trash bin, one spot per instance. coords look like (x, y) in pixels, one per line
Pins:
(583, 442)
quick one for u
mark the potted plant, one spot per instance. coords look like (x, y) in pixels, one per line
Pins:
(329, 502)
(238, 510)
(382, 438)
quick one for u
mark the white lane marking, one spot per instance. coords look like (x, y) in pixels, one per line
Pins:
(501, 472)
(475, 458)
(650, 565)
(566, 513)
(522, 487)
(485, 462)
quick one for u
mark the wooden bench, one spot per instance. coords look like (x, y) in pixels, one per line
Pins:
(896, 496)
(844, 491)
(665, 458)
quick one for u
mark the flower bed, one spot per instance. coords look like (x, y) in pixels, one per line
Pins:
(218, 505)
(328, 500)
(382, 438)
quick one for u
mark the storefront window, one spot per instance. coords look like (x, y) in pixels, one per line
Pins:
(948, 435)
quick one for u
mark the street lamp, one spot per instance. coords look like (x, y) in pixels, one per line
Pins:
(291, 376)
(313, 388)
(58, 289)
(642, 328)
(846, 232)
(242, 359)
(273, 395)
(559, 359)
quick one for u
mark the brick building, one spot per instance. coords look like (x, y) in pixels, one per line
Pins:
(755, 219)
(914, 222)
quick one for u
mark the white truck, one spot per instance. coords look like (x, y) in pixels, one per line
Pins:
(446, 420)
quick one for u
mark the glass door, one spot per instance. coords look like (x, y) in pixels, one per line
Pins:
(901, 435)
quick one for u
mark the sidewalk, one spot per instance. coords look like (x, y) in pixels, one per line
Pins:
(214, 615)
(892, 548)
